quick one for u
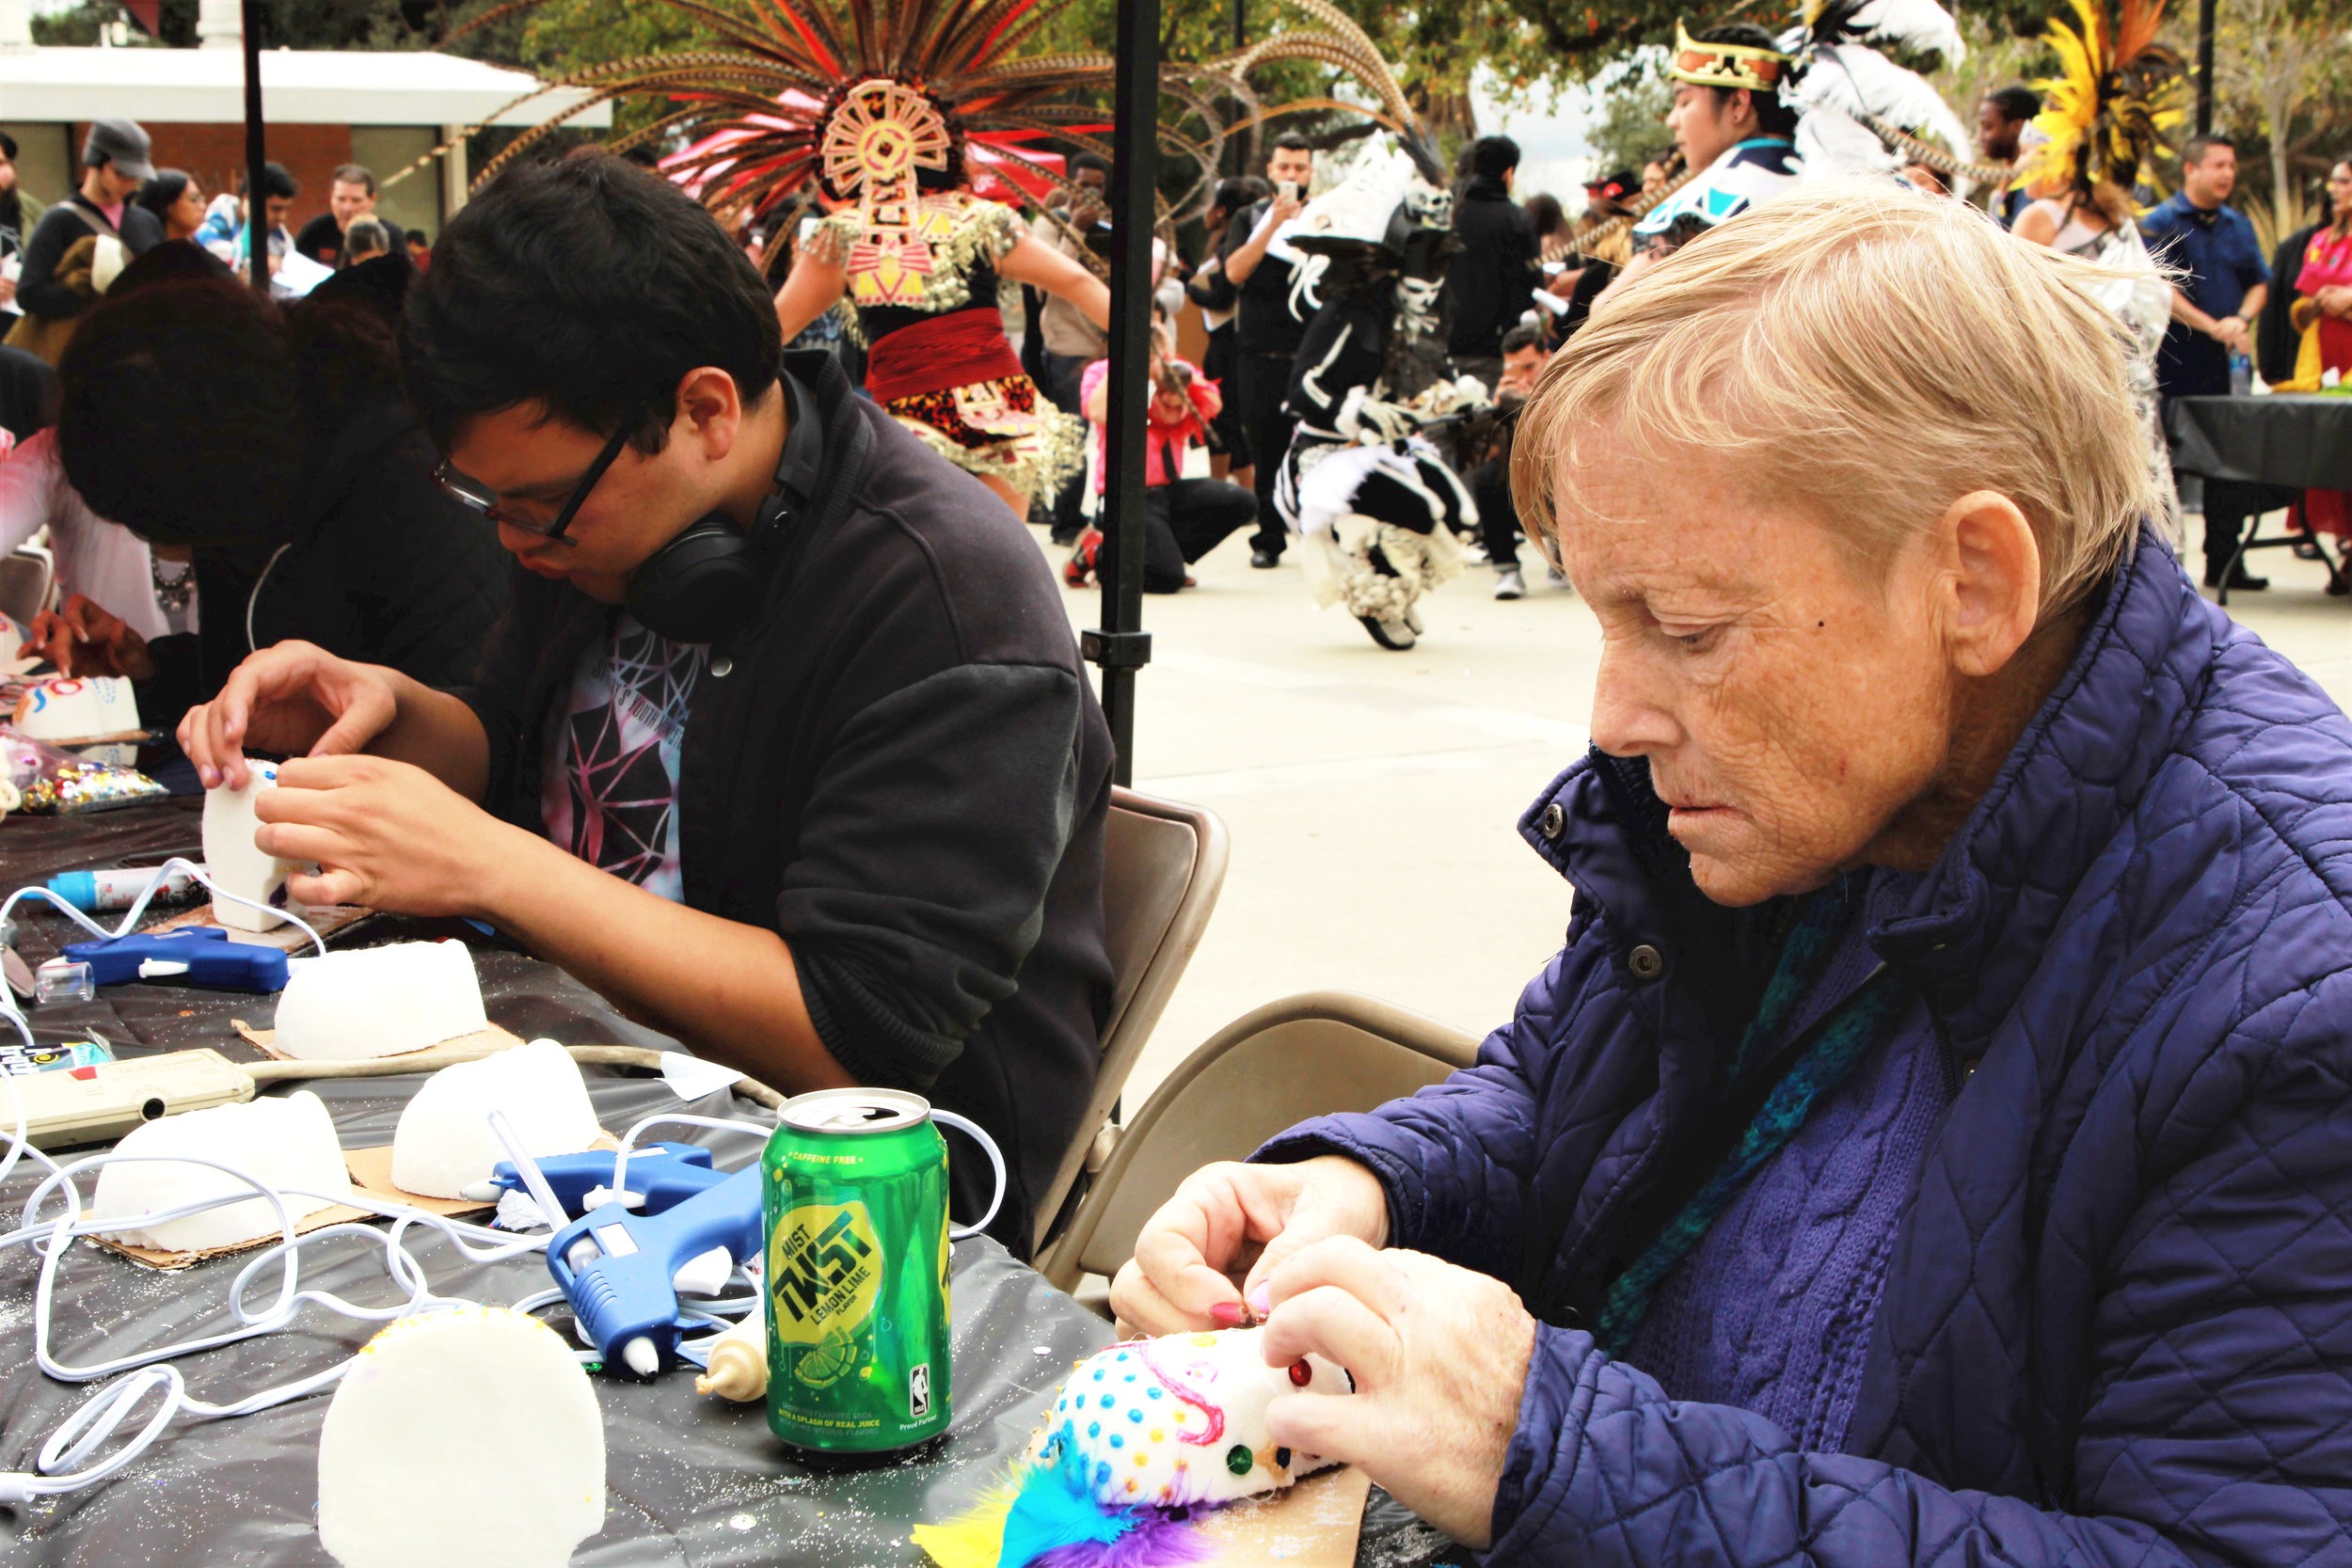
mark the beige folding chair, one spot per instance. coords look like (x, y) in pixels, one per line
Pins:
(1163, 864)
(27, 575)
(1303, 1056)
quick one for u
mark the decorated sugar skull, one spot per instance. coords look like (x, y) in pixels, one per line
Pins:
(1141, 1436)
(1181, 1419)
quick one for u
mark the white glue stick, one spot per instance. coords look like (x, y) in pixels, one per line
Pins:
(92, 891)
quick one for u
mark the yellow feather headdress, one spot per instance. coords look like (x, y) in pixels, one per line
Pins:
(2116, 89)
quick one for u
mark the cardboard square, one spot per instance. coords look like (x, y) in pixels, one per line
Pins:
(327, 921)
(157, 1258)
(1312, 1524)
(492, 1038)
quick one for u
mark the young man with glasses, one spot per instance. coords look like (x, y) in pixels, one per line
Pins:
(784, 747)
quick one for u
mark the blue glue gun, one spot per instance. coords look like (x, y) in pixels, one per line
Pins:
(619, 1269)
(200, 956)
(663, 1176)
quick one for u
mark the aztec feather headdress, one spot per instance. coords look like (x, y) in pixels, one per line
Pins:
(2115, 92)
(868, 101)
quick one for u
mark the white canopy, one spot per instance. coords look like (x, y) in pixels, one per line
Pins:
(298, 88)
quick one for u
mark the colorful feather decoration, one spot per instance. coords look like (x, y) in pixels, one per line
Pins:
(2115, 92)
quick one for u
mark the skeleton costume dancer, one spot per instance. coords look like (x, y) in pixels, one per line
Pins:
(1375, 503)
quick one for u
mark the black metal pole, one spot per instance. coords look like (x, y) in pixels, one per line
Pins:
(2205, 66)
(256, 153)
(1122, 647)
(1240, 160)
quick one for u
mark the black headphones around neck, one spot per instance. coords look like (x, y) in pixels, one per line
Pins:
(706, 585)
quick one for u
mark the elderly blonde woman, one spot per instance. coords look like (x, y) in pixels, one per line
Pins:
(1934, 1143)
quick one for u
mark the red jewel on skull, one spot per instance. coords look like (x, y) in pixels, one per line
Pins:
(1301, 1374)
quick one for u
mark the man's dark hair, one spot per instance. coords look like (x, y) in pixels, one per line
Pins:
(354, 174)
(1291, 141)
(1520, 336)
(1233, 194)
(2193, 150)
(1089, 160)
(182, 419)
(1492, 157)
(1772, 117)
(418, 236)
(276, 182)
(173, 262)
(590, 286)
(159, 193)
(1543, 211)
(8, 147)
(2015, 102)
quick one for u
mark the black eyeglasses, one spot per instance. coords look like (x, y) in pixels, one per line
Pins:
(480, 500)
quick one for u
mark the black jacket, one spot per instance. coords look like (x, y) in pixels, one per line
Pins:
(1497, 268)
(901, 771)
(37, 290)
(382, 566)
(1273, 307)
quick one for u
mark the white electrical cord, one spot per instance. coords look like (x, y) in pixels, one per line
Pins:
(100, 1417)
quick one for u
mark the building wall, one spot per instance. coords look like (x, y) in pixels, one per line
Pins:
(45, 165)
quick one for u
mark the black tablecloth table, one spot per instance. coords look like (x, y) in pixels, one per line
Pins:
(689, 1479)
(2301, 439)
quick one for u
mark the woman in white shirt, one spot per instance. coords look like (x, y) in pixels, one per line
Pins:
(112, 581)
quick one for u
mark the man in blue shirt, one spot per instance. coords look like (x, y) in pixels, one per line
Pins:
(2222, 291)
(2000, 118)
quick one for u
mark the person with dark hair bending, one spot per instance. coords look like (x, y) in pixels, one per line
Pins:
(1731, 126)
(785, 746)
(278, 447)
(1277, 297)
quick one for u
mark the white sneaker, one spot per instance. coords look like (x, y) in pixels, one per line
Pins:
(1393, 634)
(1555, 576)
(1510, 585)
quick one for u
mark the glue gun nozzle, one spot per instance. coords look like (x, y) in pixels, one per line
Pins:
(642, 1357)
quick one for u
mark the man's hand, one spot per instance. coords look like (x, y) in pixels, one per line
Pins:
(1278, 211)
(85, 639)
(386, 834)
(292, 697)
(1439, 1356)
(2231, 330)
(1212, 1246)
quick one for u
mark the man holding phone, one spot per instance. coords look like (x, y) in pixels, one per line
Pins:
(1277, 298)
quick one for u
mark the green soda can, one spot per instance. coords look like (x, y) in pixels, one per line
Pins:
(855, 1203)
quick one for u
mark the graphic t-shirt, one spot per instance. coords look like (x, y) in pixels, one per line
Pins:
(609, 792)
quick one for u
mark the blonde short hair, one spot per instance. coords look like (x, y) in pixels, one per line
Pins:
(1880, 353)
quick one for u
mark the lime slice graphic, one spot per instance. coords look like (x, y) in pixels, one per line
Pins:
(830, 1361)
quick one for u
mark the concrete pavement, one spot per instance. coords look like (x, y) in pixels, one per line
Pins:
(1373, 797)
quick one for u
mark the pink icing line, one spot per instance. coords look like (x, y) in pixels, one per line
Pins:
(1210, 1412)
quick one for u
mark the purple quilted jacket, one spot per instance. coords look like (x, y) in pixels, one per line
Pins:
(2117, 1327)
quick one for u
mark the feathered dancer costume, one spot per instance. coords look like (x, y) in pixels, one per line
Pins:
(875, 112)
(1862, 112)
(2117, 89)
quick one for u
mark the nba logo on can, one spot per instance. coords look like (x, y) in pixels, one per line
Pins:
(919, 1391)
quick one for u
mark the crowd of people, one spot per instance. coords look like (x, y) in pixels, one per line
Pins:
(1927, 1146)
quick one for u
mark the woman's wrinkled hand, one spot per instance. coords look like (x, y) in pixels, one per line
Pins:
(83, 637)
(1439, 1355)
(1212, 1246)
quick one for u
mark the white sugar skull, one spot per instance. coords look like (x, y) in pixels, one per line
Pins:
(1181, 1420)
(1431, 206)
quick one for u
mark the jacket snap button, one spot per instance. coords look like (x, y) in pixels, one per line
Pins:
(1553, 820)
(721, 666)
(1645, 962)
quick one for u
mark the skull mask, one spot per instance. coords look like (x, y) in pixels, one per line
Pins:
(1430, 206)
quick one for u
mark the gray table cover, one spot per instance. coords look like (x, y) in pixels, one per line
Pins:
(2299, 439)
(689, 1480)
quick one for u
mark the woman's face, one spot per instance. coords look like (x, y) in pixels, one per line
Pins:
(1789, 705)
(2340, 190)
(183, 217)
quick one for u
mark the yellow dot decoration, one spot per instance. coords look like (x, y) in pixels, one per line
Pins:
(1206, 1341)
(1158, 1436)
